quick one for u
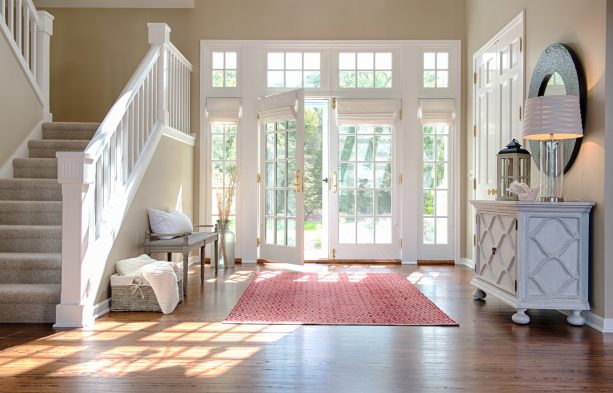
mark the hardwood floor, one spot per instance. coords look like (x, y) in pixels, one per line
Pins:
(191, 351)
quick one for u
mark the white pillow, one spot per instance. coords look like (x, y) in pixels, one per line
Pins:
(132, 266)
(172, 222)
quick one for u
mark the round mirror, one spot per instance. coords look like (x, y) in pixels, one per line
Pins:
(558, 72)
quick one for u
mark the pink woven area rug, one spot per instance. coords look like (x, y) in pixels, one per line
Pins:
(335, 299)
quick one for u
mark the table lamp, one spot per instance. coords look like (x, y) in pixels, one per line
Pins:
(550, 120)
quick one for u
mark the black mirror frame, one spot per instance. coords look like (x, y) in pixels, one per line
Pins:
(561, 59)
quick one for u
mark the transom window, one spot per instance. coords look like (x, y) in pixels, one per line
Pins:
(224, 69)
(223, 164)
(436, 183)
(365, 70)
(294, 69)
(436, 70)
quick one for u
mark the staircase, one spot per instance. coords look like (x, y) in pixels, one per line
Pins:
(31, 226)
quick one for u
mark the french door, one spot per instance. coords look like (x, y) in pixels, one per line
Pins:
(281, 161)
(364, 213)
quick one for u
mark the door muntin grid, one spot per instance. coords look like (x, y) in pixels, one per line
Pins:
(435, 184)
(280, 183)
(365, 184)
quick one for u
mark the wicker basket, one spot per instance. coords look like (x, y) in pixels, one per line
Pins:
(127, 296)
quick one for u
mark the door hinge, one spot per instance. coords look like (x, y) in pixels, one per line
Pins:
(257, 241)
(334, 103)
(521, 45)
(334, 253)
(258, 116)
(515, 285)
(516, 224)
(258, 178)
(475, 130)
(475, 240)
(400, 243)
(474, 184)
(401, 114)
(520, 113)
(401, 178)
(475, 77)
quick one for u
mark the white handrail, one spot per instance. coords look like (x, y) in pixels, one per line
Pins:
(96, 183)
(28, 32)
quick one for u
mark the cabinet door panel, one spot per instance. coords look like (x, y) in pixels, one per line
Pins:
(553, 268)
(496, 250)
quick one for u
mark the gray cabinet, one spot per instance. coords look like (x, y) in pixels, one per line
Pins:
(533, 255)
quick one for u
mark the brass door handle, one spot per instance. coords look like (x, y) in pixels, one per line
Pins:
(297, 182)
(334, 182)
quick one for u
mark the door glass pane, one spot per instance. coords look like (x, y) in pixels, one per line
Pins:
(346, 229)
(291, 232)
(365, 180)
(270, 230)
(383, 230)
(281, 238)
(366, 230)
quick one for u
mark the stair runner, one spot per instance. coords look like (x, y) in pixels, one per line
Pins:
(31, 226)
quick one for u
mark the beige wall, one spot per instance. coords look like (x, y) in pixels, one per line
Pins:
(581, 25)
(20, 109)
(94, 51)
(165, 185)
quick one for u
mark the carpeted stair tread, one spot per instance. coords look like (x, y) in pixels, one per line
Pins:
(30, 190)
(73, 130)
(30, 238)
(30, 213)
(35, 168)
(30, 268)
(30, 293)
(48, 148)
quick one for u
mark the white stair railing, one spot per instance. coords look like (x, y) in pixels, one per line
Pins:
(28, 32)
(98, 183)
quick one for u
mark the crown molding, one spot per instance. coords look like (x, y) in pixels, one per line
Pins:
(115, 3)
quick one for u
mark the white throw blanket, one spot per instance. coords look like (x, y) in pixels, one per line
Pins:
(163, 280)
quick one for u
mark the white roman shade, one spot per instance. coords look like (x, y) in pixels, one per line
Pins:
(436, 110)
(279, 107)
(362, 111)
(223, 110)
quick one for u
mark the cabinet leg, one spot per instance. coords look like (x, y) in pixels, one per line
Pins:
(478, 294)
(576, 318)
(520, 317)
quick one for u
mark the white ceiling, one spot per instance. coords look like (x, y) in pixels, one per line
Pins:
(115, 3)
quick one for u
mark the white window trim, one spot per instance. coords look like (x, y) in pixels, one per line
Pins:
(407, 69)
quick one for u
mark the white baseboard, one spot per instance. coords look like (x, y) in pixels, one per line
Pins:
(467, 262)
(408, 262)
(603, 325)
(102, 308)
(6, 170)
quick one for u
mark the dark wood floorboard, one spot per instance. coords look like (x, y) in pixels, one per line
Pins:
(191, 351)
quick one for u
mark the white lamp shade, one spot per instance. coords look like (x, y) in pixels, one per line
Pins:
(552, 117)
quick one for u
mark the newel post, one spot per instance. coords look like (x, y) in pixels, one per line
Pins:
(43, 57)
(76, 174)
(159, 34)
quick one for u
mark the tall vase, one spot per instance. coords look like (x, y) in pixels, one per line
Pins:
(227, 241)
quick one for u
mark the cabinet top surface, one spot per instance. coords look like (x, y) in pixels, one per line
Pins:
(532, 205)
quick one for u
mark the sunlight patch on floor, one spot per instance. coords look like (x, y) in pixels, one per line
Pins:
(141, 347)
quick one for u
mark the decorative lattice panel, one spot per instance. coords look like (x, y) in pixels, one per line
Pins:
(554, 263)
(496, 248)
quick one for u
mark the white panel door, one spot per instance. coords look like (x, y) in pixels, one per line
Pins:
(499, 92)
(281, 136)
